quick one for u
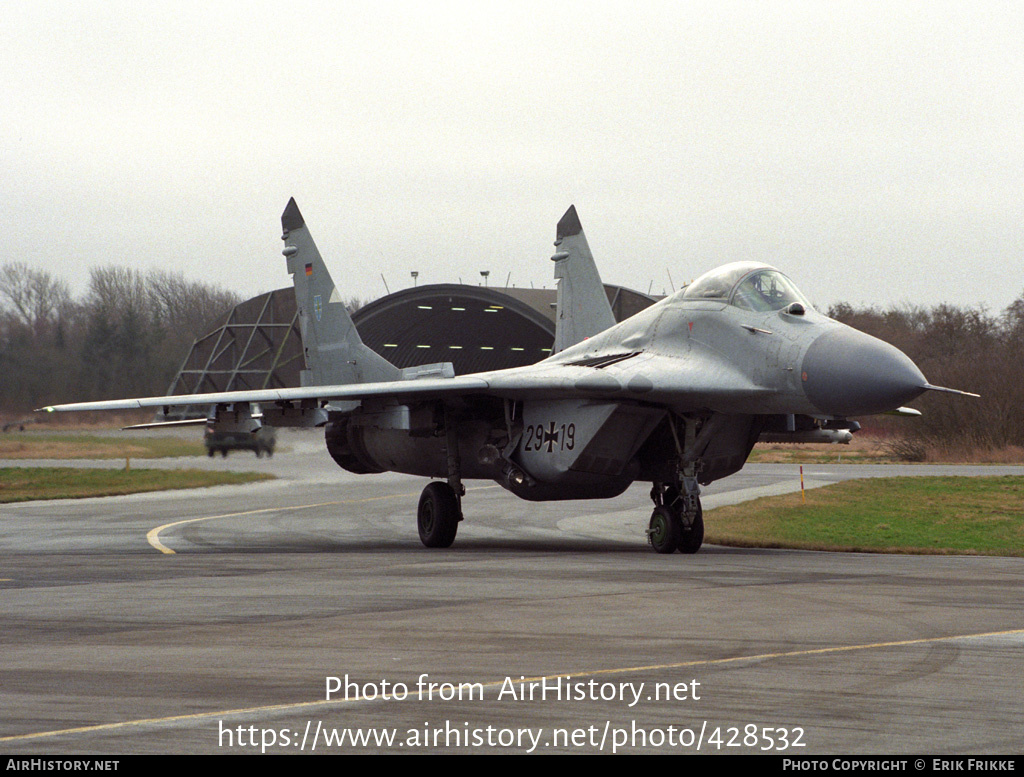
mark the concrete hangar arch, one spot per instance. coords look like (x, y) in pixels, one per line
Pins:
(476, 328)
(473, 327)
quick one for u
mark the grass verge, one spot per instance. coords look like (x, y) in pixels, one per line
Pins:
(942, 515)
(868, 449)
(858, 452)
(45, 445)
(22, 484)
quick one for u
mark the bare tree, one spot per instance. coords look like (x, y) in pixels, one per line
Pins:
(34, 297)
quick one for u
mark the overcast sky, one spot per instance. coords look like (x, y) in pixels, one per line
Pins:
(874, 152)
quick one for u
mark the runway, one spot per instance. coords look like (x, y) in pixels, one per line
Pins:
(212, 621)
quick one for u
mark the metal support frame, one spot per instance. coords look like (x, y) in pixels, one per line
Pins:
(259, 345)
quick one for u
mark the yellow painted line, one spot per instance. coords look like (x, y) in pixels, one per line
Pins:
(311, 705)
(153, 535)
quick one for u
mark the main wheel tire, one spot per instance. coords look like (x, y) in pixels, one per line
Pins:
(437, 517)
(663, 532)
(692, 537)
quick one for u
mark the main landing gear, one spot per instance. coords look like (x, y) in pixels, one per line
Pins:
(440, 509)
(438, 515)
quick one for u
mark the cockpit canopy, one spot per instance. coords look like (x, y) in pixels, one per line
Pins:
(747, 285)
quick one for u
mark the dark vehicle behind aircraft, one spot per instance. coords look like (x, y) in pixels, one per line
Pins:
(259, 442)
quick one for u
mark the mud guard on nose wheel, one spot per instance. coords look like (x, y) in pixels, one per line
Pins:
(692, 537)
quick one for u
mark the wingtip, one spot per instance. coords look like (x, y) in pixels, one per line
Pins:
(569, 224)
(291, 218)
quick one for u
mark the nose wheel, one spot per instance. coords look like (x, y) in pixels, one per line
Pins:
(678, 520)
(671, 529)
(664, 530)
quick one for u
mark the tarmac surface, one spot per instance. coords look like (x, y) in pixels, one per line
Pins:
(216, 620)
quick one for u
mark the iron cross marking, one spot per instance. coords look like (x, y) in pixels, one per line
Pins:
(550, 437)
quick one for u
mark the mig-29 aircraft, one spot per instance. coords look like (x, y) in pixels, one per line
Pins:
(675, 396)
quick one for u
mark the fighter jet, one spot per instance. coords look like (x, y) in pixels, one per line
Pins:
(675, 396)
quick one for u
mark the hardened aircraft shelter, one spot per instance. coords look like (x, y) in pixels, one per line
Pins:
(476, 328)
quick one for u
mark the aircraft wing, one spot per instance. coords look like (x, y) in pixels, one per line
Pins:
(425, 388)
(681, 383)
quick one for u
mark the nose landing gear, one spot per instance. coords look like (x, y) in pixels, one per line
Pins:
(671, 527)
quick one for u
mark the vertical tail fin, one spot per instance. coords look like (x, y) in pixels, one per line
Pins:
(582, 309)
(334, 352)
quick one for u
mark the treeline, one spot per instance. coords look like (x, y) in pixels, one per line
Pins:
(964, 348)
(130, 331)
(127, 335)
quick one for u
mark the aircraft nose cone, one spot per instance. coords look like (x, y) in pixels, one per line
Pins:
(847, 373)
